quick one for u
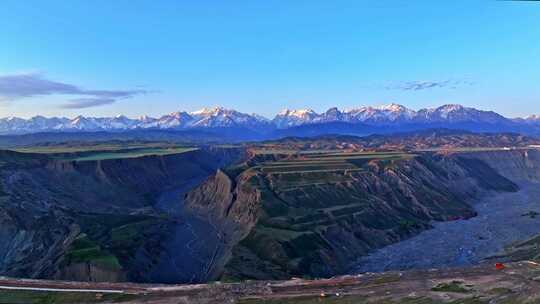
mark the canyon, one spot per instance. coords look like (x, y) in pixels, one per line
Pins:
(316, 223)
(233, 213)
(95, 220)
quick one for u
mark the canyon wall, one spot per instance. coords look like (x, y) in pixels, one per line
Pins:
(91, 220)
(520, 165)
(317, 224)
(100, 220)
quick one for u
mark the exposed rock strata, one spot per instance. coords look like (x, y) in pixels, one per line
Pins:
(47, 203)
(319, 229)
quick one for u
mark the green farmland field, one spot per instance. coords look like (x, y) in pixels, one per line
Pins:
(136, 153)
(104, 151)
(328, 162)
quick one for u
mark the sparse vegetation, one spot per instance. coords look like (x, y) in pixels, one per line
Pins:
(387, 278)
(500, 291)
(85, 250)
(408, 225)
(331, 299)
(454, 286)
(136, 153)
(332, 161)
(75, 147)
(43, 297)
(531, 214)
(89, 151)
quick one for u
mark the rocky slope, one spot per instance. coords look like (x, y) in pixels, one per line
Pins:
(318, 223)
(274, 216)
(520, 165)
(91, 220)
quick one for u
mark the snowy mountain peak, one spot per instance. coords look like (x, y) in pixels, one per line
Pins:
(260, 118)
(179, 114)
(533, 117)
(451, 108)
(297, 112)
(219, 117)
(289, 118)
(201, 111)
(211, 111)
(396, 111)
(393, 107)
(380, 114)
(529, 120)
(146, 118)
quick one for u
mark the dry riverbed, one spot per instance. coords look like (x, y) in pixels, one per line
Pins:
(503, 219)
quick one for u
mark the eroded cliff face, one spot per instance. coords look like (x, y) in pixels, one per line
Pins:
(48, 204)
(318, 223)
(30, 244)
(231, 205)
(521, 165)
(89, 272)
(100, 220)
(227, 202)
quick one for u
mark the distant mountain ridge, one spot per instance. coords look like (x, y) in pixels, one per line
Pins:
(390, 114)
(415, 140)
(206, 118)
(368, 117)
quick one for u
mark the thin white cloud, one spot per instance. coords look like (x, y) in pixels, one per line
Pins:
(83, 103)
(426, 85)
(20, 86)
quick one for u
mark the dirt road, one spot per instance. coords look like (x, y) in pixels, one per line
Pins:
(517, 282)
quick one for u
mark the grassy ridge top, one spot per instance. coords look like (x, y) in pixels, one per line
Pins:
(74, 151)
(133, 153)
(328, 161)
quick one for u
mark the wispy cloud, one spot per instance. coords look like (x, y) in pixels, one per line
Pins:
(82, 103)
(20, 86)
(425, 85)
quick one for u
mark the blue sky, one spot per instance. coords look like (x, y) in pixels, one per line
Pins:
(106, 58)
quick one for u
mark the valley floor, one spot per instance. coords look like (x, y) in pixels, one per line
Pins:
(191, 248)
(503, 219)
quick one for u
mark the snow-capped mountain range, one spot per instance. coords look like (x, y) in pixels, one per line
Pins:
(391, 114)
(205, 118)
(387, 115)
